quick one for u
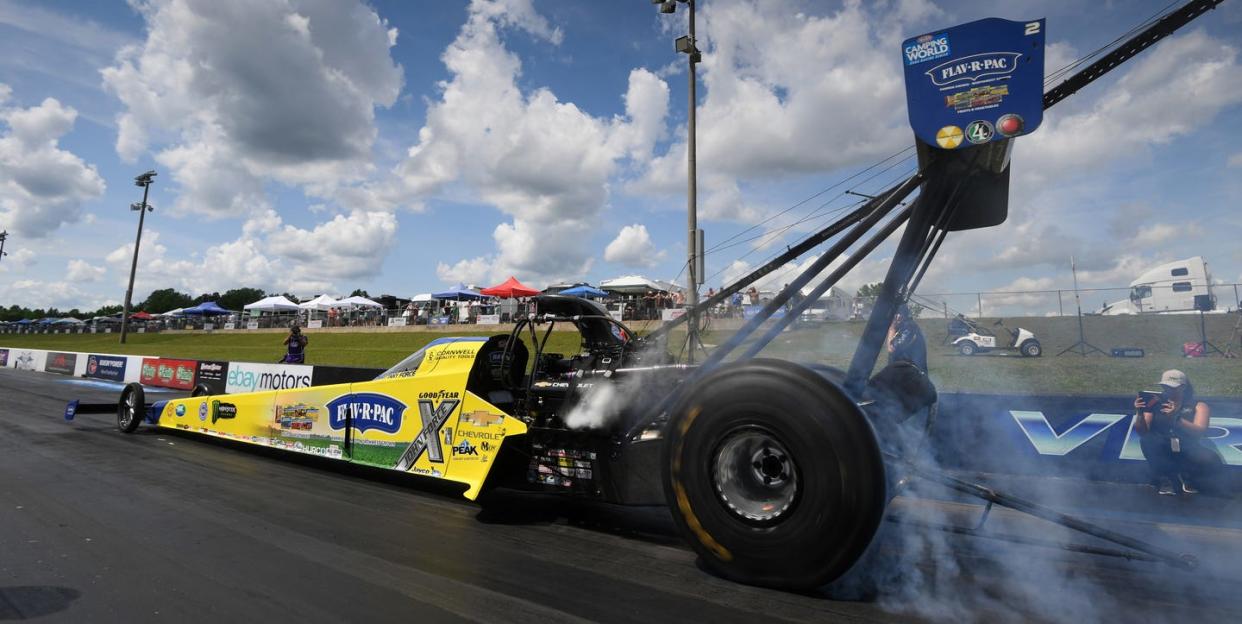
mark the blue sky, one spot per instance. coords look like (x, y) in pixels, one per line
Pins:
(324, 145)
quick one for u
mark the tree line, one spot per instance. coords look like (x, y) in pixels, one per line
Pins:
(158, 302)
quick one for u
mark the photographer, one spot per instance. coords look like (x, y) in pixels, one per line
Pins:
(295, 345)
(1171, 424)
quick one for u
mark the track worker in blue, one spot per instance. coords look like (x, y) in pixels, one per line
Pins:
(1171, 425)
(295, 346)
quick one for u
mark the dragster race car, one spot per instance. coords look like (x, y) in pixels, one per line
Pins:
(755, 456)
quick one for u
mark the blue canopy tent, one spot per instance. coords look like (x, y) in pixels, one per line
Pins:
(458, 293)
(24, 322)
(584, 290)
(207, 308)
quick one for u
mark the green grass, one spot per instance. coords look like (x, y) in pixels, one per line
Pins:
(832, 343)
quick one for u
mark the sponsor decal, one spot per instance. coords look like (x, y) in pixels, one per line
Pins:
(979, 132)
(297, 417)
(451, 353)
(25, 360)
(481, 435)
(168, 373)
(433, 417)
(949, 137)
(213, 375)
(220, 409)
(366, 411)
(482, 418)
(973, 68)
(202, 411)
(62, 363)
(927, 48)
(106, 367)
(257, 377)
(1009, 125)
(4, 357)
(179, 410)
(464, 448)
(976, 98)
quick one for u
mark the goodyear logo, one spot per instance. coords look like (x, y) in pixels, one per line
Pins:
(369, 411)
(974, 68)
(927, 48)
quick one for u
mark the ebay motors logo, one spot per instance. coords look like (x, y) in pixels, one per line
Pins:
(257, 377)
(365, 411)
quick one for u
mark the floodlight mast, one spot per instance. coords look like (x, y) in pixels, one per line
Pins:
(3, 237)
(686, 45)
(143, 208)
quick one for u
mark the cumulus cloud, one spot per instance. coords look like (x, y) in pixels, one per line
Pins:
(17, 260)
(633, 247)
(232, 93)
(543, 162)
(1178, 87)
(829, 95)
(41, 185)
(270, 254)
(82, 271)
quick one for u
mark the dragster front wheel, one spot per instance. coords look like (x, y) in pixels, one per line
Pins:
(773, 475)
(130, 408)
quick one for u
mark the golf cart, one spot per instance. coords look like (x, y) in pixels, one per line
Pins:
(982, 339)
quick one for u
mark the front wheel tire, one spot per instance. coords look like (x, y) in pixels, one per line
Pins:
(1031, 348)
(966, 348)
(773, 475)
(130, 408)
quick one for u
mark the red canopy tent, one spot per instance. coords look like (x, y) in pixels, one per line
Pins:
(141, 316)
(509, 289)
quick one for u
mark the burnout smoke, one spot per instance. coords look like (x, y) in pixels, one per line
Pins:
(599, 407)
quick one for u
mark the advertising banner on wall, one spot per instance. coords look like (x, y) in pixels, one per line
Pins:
(1065, 436)
(168, 373)
(58, 362)
(247, 377)
(488, 319)
(4, 357)
(396, 321)
(27, 359)
(214, 375)
(110, 367)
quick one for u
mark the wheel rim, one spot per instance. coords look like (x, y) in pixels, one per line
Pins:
(755, 476)
(128, 415)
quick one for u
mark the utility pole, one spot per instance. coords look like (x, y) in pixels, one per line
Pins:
(687, 45)
(144, 181)
(3, 237)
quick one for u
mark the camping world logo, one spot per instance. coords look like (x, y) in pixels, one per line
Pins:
(926, 48)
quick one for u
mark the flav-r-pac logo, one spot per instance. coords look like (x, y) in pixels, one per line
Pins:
(434, 416)
(365, 411)
(974, 68)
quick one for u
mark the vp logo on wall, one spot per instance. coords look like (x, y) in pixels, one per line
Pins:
(25, 360)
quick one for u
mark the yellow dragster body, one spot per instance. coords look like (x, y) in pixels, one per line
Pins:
(421, 420)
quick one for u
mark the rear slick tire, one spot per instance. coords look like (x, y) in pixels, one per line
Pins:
(129, 410)
(773, 475)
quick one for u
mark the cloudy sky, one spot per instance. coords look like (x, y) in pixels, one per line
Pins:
(325, 145)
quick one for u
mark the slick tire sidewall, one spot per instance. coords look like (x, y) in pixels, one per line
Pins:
(841, 477)
(122, 408)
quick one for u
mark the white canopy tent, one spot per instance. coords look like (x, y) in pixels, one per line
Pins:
(361, 302)
(636, 285)
(422, 297)
(321, 303)
(277, 303)
(176, 312)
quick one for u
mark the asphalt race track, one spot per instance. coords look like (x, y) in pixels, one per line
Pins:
(160, 526)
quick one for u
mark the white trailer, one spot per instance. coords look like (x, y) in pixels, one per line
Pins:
(1169, 288)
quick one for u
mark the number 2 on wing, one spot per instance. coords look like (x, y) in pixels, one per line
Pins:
(1032, 28)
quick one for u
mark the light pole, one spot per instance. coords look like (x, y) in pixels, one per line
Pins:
(686, 45)
(144, 181)
(3, 237)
